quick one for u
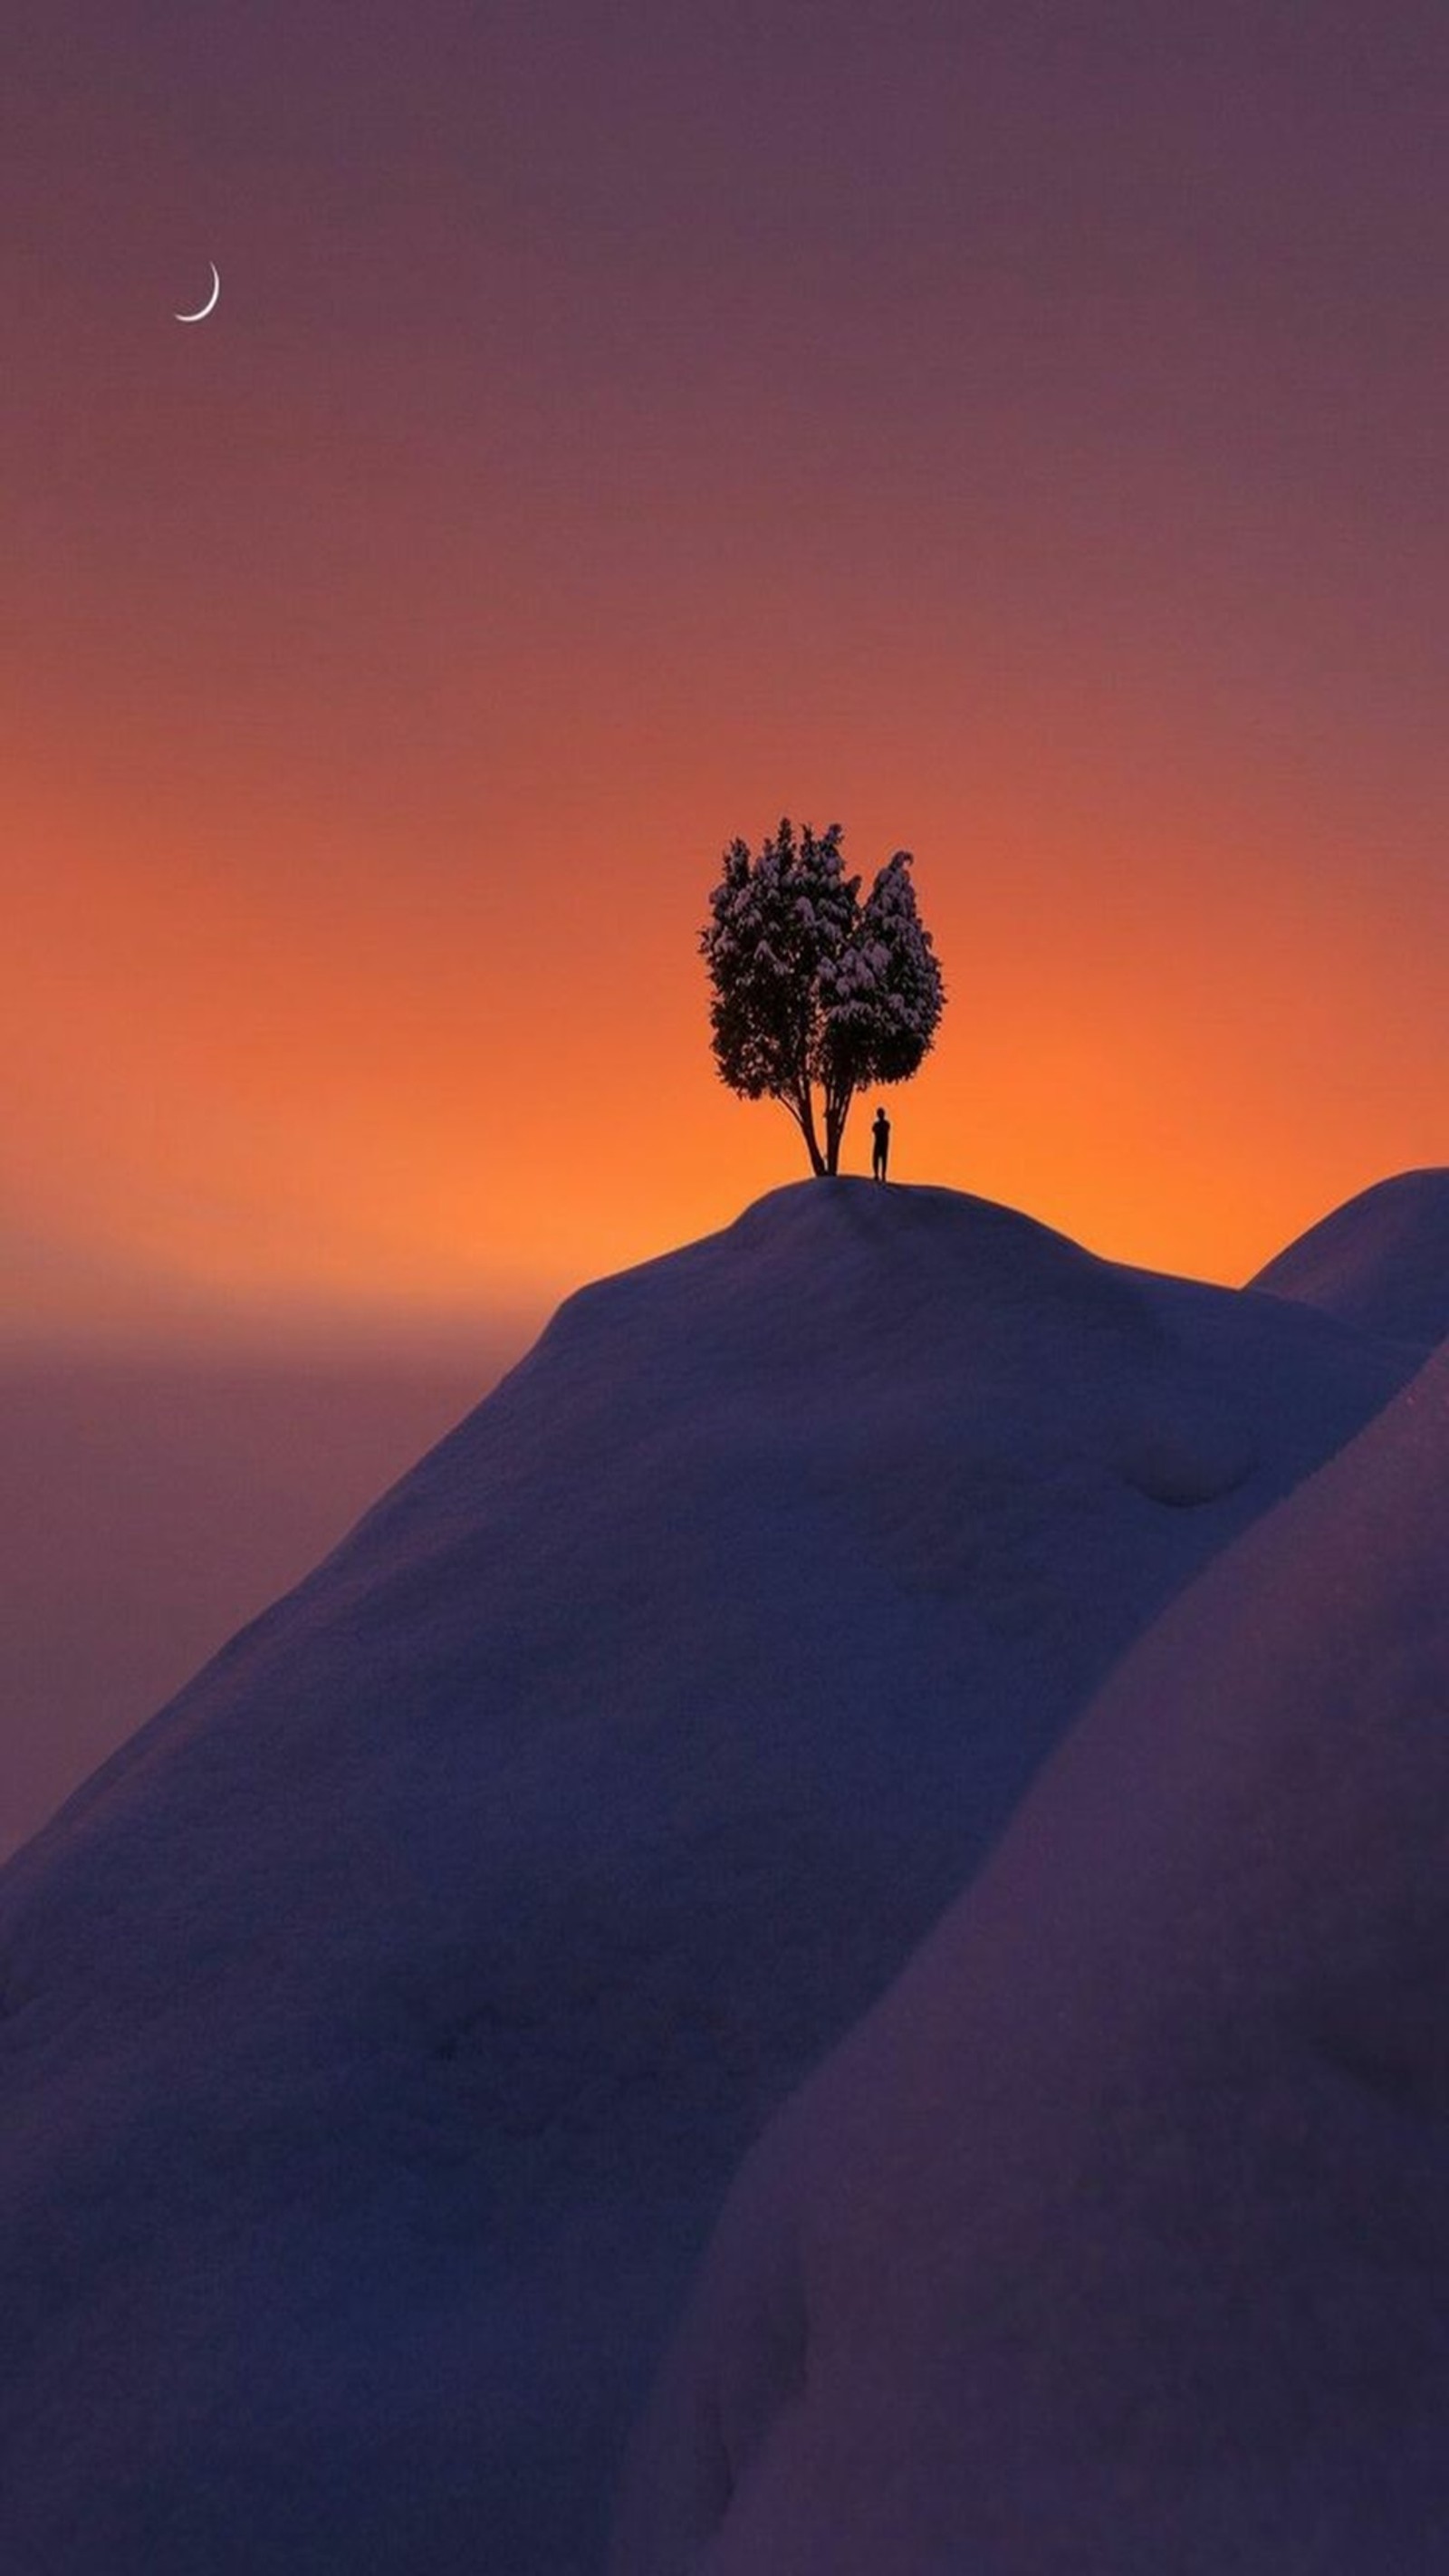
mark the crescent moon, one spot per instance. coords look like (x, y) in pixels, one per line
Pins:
(210, 305)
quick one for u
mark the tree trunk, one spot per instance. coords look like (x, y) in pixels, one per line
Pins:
(802, 1110)
(836, 1113)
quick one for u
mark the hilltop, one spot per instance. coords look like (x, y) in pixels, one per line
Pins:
(1380, 1261)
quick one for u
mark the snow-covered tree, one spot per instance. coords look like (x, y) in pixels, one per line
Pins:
(815, 992)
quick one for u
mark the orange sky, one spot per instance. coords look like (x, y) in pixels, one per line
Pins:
(1045, 474)
(253, 1090)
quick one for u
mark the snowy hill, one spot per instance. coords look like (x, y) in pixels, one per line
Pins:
(1381, 1261)
(382, 2026)
(1117, 2236)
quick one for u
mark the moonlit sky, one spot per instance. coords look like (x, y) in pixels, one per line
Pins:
(1017, 432)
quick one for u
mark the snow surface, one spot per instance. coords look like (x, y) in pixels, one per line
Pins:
(1381, 1261)
(381, 2027)
(1116, 2238)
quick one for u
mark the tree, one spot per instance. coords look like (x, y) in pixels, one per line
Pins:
(813, 990)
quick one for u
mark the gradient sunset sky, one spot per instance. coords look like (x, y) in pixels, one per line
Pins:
(1017, 432)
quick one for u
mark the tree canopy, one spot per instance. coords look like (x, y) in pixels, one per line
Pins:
(815, 992)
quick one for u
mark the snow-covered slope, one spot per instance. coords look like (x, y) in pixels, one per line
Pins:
(381, 2027)
(1117, 2237)
(1380, 1261)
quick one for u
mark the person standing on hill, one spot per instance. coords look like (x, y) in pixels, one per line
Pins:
(880, 1145)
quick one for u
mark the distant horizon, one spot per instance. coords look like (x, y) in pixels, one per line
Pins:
(151, 1503)
(146, 1321)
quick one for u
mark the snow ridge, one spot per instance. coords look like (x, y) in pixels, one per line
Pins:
(1381, 1261)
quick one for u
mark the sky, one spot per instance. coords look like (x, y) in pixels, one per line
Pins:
(1015, 432)
(150, 1506)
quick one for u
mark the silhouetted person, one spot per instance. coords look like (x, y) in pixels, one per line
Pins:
(880, 1146)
